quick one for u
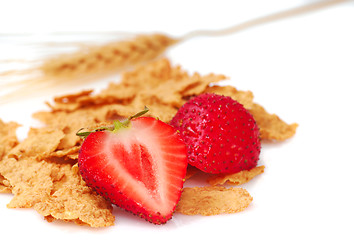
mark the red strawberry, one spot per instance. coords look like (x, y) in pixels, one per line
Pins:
(139, 165)
(220, 134)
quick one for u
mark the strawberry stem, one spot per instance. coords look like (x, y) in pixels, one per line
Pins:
(117, 125)
(139, 114)
(85, 134)
(126, 123)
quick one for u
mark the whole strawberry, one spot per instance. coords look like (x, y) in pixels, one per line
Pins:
(138, 164)
(220, 134)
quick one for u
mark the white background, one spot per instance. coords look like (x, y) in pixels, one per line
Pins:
(301, 68)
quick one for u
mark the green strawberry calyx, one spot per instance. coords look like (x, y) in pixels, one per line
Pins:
(116, 127)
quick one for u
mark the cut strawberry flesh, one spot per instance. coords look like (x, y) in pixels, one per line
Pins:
(140, 169)
(138, 163)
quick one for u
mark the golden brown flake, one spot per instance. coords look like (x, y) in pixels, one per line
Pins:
(67, 154)
(271, 126)
(235, 178)
(243, 97)
(55, 190)
(40, 143)
(8, 138)
(4, 185)
(213, 200)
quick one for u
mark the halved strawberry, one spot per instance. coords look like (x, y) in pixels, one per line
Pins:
(139, 165)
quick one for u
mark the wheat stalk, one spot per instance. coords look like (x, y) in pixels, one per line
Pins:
(96, 61)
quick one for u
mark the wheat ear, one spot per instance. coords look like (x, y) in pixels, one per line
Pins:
(88, 64)
(109, 57)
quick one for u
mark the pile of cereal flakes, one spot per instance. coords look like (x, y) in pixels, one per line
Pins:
(41, 171)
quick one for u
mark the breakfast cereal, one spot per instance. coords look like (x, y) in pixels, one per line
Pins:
(41, 171)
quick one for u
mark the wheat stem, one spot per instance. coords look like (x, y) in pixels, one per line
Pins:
(264, 19)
